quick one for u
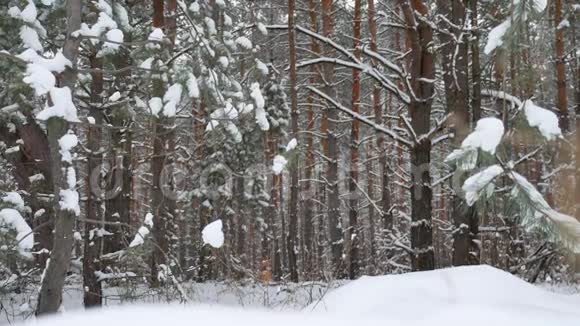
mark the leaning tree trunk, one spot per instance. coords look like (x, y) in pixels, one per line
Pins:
(422, 75)
(50, 294)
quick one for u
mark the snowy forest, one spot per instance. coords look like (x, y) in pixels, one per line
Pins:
(149, 147)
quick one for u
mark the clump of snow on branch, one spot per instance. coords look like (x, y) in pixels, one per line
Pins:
(486, 137)
(474, 186)
(279, 164)
(155, 37)
(63, 106)
(155, 105)
(192, 86)
(103, 24)
(213, 235)
(244, 43)
(30, 38)
(225, 116)
(56, 64)
(546, 121)
(171, 100)
(67, 143)
(14, 199)
(496, 35)
(261, 117)
(291, 144)
(11, 218)
(262, 67)
(39, 78)
(114, 39)
(143, 231)
(115, 97)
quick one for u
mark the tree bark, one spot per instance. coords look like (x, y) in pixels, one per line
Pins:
(50, 293)
(562, 99)
(455, 68)
(93, 295)
(422, 73)
(333, 214)
(308, 224)
(293, 205)
(352, 235)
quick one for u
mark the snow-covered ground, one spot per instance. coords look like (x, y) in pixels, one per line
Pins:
(478, 295)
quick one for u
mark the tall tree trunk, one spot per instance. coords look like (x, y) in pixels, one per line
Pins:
(576, 72)
(386, 201)
(475, 66)
(352, 236)
(455, 68)
(163, 205)
(93, 295)
(333, 214)
(308, 224)
(50, 294)
(422, 73)
(293, 205)
(118, 203)
(562, 99)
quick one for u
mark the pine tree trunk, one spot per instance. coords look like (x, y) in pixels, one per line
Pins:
(308, 224)
(455, 68)
(333, 213)
(352, 235)
(118, 203)
(163, 205)
(422, 72)
(293, 205)
(475, 66)
(562, 99)
(93, 238)
(50, 293)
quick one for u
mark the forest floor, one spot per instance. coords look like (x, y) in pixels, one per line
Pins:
(444, 296)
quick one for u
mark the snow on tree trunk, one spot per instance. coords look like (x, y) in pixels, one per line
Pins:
(65, 201)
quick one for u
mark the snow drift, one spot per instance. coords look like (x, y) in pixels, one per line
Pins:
(475, 296)
(478, 295)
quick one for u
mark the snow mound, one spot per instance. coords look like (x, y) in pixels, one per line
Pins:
(475, 294)
(213, 235)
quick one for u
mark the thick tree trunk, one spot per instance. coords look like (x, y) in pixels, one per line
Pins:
(50, 294)
(455, 68)
(422, 73)
(293, 205)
